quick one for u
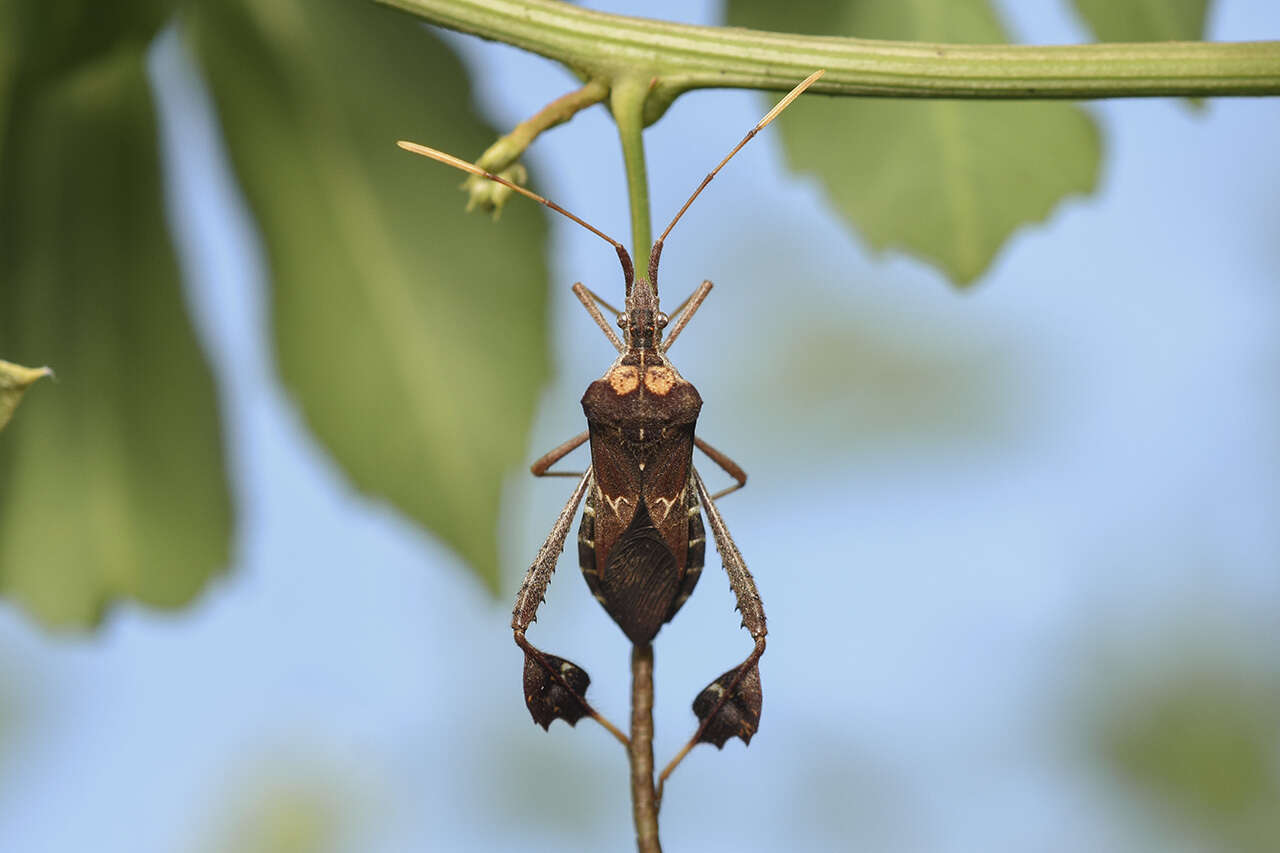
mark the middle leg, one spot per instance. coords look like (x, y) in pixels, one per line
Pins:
(551, 457)
(730, 467)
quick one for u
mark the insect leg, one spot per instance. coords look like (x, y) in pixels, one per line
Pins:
(553, 686)
(589, 299)
(743, 585)
(729, 706)
(730, 467)
(684, 313)
(676, 313)
(551, 457)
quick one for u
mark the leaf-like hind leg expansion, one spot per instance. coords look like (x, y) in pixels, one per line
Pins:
(553, 686)
(730, 705)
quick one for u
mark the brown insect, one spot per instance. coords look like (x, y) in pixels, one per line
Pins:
(641, 542)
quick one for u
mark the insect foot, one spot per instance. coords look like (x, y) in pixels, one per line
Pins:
(729, 707)
(553, 689)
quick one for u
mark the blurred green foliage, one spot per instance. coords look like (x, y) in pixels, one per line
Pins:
(412, 337)
(112, 485)
(1197, 736)
(294, 815)
(867, 379)
(877, 387)
(1144, 20)
(948, 181)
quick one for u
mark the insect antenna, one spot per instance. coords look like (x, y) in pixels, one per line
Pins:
(458, 163)
(772, 114)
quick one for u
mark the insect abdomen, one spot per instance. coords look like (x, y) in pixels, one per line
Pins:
(642, 585)
(696, 555)
(640, 580)
(587, 548)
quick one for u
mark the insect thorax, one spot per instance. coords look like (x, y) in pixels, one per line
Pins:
(641, 540)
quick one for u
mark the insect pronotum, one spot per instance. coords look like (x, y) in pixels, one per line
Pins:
(641, 541)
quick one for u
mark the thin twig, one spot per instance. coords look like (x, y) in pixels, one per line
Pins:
(644, 803)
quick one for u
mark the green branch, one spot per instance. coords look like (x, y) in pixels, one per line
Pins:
(507, 150)
(682, 57)
(627, 104)
(644, 804)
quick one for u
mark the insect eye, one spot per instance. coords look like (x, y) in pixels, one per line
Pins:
(623, 320)
(661, 320)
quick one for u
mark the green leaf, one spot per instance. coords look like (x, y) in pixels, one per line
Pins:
(113, 486)
(14, 381)
(411, 334)
(42, 40)
(1144, 20)
(9, 46)
(52, 37)
(948, 181)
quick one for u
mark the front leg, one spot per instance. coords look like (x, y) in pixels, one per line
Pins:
(553, 686)
(684, 313)
(729, 706)
(588, 298)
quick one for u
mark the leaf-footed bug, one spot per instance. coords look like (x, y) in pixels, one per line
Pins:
(641, 541)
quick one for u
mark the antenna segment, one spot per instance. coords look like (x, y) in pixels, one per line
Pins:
(770, 116)
(624, 258)
(472, 168)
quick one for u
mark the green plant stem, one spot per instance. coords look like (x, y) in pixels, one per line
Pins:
(644, 803)
(627, 103)
(681, 57)
(508, 149)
